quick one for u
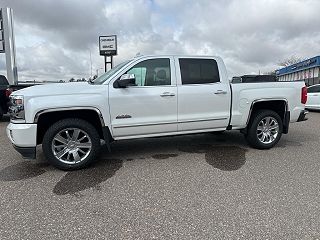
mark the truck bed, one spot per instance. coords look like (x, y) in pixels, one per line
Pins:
(245, 94)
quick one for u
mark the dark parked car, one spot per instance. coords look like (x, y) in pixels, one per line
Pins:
(5, 90)
(4, 95)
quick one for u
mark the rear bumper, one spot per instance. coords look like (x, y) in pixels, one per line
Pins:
(26, 152)
(303, 116)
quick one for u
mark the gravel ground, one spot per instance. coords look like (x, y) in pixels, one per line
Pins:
(203, 186)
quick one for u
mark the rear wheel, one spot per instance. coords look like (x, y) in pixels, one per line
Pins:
(71, 144)
(264, 130)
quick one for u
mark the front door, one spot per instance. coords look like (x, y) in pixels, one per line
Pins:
(150, 107)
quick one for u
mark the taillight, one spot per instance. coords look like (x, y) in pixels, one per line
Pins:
(304, 95)
(8, 92)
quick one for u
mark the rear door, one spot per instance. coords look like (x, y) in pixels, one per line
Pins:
(150, 107)
(204, 98)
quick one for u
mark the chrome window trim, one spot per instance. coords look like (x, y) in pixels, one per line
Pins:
(38, 114)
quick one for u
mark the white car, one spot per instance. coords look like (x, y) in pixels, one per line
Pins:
(149, 96)
(313, 102)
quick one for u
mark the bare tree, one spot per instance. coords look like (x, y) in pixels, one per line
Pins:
(272, 72)
(290, 60)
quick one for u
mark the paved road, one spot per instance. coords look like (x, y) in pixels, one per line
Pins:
(188, 187)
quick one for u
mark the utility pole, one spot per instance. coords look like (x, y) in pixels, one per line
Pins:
(7, 37)
(90, 64)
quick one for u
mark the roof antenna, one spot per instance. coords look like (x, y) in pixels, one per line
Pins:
(138, 54)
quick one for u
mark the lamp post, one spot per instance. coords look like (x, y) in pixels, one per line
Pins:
(97, 70)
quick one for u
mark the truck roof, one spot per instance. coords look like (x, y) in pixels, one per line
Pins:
(175, 55)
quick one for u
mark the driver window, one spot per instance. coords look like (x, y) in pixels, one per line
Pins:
(153, 72)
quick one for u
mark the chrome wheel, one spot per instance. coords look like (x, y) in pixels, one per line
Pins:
(71, 145)
(267, 130)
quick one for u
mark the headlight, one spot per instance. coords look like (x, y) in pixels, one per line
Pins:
(16, 107)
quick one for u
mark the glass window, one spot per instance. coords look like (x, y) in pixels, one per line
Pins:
(198, 71)
(153, 72)
(314, 89)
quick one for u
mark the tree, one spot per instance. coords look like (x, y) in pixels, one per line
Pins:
(273, 72)
(71, 80)
(290, 60)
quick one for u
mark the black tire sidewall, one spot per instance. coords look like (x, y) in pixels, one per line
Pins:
(252, 137)
(71, 123)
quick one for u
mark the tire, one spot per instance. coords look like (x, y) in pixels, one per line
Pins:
(261, 135)
(71, 144)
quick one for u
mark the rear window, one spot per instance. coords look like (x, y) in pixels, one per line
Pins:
(198, 71)
(314, 89)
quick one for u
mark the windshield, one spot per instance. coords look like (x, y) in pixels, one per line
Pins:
(104, 77)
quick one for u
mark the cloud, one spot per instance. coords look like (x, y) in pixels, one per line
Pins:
(55, 38)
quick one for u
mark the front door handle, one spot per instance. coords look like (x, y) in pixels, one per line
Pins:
(167, 94)
(220, 92)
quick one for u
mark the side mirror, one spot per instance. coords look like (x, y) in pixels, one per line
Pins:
(126, 80)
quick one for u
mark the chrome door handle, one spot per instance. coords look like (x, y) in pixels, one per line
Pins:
(167, 94)
(220, 92)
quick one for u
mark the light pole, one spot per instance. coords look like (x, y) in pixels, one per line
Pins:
(97, 70)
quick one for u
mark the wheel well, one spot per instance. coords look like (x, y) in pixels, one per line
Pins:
(46, 120)
(279, 106)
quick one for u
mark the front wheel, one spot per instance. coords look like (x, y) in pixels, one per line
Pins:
(264, 130)
(71, 144)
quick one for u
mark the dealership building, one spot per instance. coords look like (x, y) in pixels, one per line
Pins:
(307, 70)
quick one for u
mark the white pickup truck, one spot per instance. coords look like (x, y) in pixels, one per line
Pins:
(149, 96)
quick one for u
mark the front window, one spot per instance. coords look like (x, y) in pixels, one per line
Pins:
(152, 72)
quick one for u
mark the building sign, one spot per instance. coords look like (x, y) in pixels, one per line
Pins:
(108, 45)
(304, 64)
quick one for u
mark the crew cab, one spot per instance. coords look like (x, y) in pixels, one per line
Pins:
(149, 96)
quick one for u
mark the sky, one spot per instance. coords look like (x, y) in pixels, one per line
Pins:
(54, 38)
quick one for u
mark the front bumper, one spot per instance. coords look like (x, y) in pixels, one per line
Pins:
(24, 138)
(303, 116)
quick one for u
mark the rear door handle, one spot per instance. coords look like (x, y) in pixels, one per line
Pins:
(167, 94)
(220, 92)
